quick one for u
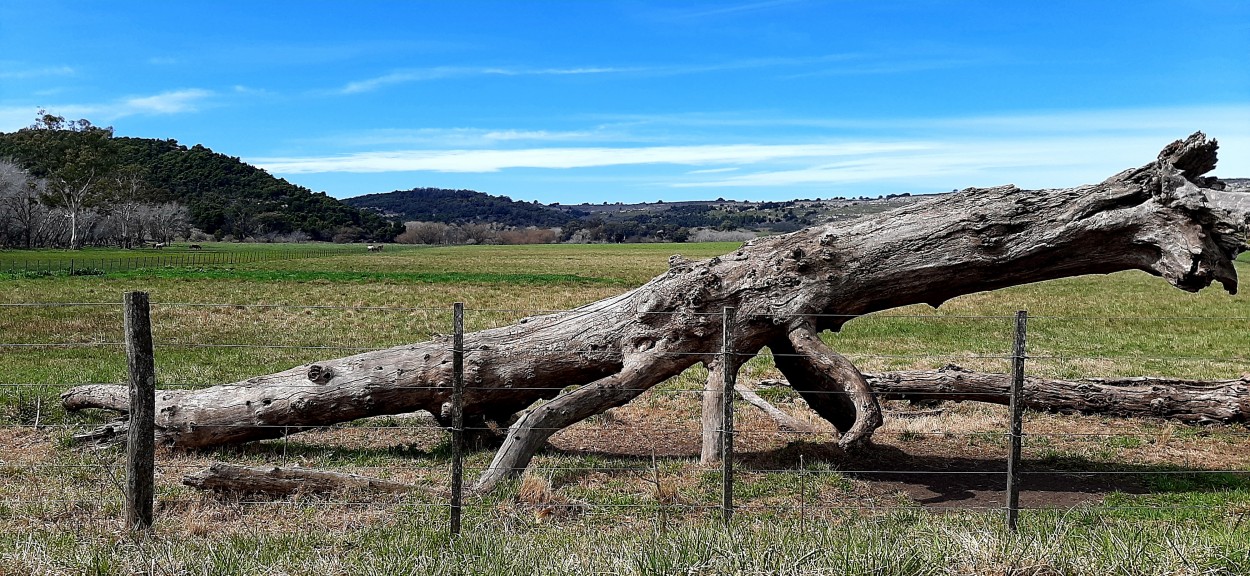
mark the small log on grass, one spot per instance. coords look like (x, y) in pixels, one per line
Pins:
(786, 289)
(223, 477)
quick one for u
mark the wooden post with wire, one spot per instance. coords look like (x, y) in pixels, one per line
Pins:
(1016, 410)
(140, 438)
(729, 368)
(457, 417)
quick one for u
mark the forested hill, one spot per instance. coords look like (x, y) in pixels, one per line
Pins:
(463, 207)
(225, 194)
(222, 194)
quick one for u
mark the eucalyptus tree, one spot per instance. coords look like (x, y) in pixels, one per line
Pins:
(76, 159)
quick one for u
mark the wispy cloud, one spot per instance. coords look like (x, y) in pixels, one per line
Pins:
(172, 102)
(463, 137)
(1034, 150)
(7, 73)
(847, 63)
(566, 158)
(1029, 162)
(441, 72)
(164, 103)
(727, 9)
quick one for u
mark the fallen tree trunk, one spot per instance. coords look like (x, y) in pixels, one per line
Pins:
(1189, 401)
(785, 289)
(223, 477)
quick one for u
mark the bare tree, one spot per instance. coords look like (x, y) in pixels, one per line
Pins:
(129, 194)
(164, 221)
(23, 218)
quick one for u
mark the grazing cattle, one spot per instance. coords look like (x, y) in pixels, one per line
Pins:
(160, 245)
(196, 247)
(374, 248)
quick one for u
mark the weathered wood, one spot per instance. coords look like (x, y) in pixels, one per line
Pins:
(728, 377)
(223, 477)
(786, 289)
(140, 437)
(724, 368)
(1015, 404)
(830, 384)
(784, 421)
(1188, 401)
(457, 417)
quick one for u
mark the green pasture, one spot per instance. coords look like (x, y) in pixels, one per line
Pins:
(303, 308)
(224, 323)
(95, 261)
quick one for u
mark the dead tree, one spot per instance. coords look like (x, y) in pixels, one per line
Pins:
(1189, 401)
(786, 290)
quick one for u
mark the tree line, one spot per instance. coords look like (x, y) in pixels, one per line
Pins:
(444, 216)
(69, 183)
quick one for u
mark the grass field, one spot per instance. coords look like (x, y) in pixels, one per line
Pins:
(96, 260)
(1110, 496)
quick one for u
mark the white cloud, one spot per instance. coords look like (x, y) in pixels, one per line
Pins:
(22, 74)
(460, 137)
(567, 158)
(172, 102)
(1026, 162)
(164, 103)
(16, 117)
(440, 72)
(1032, 150)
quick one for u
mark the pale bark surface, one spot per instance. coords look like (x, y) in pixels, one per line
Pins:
(1189, 401)
(224, 477)
(786, 289)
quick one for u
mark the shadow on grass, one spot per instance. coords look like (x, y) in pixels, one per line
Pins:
(961, 481)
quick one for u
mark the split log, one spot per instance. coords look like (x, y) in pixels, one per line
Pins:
(223, 477)
(786, 289)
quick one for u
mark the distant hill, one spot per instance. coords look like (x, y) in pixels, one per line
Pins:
(223, 194)
(462, 207)
(227, 195)
(618, 222)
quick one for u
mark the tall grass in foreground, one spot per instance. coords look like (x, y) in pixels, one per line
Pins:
(902, 543)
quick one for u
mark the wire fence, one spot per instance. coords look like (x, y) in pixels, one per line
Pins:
(175, 258)
(652, 447)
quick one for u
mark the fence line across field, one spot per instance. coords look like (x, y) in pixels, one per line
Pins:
(139, 493)
(104, 265)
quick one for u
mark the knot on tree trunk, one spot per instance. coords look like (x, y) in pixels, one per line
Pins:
(318, 374)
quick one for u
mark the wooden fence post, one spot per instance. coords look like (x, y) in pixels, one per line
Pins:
(140, 442)
(1016, 409)
(730, 372)
(457, 417)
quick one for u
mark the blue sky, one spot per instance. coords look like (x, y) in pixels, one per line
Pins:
(632, 100)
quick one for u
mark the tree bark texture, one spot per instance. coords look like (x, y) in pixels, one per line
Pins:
(1189, 401)
(786, 289)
